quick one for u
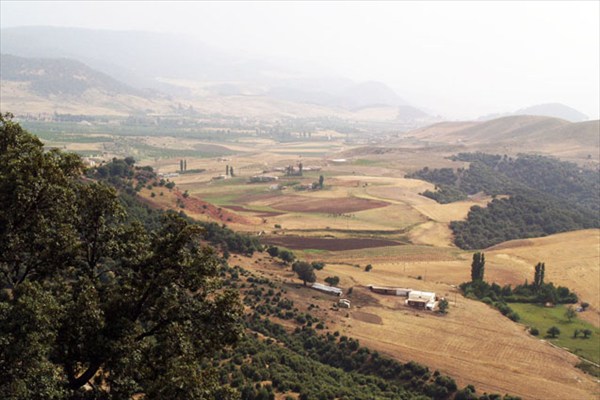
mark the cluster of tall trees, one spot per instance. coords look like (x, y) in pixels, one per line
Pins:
(498, 296)
(538, 277)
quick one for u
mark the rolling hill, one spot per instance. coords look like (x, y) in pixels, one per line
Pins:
(65, 86)
(62, 85)
(59, 76)
(515, 134)
(555, 110)
(570, 256)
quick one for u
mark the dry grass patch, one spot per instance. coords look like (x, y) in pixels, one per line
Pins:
(433, 234)
(475, 344)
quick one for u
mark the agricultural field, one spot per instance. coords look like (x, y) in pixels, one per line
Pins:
(473, 342)
(368, 213)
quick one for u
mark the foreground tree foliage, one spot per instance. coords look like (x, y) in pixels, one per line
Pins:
(93, 306)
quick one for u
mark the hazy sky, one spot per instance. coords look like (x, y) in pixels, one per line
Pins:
(461, 59)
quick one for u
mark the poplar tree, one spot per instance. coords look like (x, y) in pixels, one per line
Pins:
(538, 277)
(477, 267)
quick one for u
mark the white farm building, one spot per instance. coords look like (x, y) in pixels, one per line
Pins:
(327, 289)
(394, 291)
(426, 300)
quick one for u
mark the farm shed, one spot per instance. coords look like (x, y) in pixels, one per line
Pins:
(426, 300)
(327, 289)
(344, 303)
(390, 290)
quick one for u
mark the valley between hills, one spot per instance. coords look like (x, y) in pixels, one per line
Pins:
(369, 213)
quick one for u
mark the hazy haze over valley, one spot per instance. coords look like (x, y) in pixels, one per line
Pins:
(458, 60)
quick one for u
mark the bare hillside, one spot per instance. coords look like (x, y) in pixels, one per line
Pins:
(516, 134)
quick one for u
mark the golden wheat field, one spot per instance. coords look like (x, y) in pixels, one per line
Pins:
(473, 342)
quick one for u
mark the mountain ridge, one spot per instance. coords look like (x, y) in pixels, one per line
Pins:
(59, 76)
(555, 110)
(148, 60)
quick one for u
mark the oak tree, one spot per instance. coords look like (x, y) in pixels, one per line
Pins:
(93, 306)
(305, 271)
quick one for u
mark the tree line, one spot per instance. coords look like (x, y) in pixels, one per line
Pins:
(546, 196)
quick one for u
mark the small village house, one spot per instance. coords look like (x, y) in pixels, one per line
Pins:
(423, 300)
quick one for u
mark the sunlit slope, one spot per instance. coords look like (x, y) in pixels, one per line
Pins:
(522, 133)
(474, 342)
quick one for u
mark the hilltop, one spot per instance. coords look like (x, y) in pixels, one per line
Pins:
(554, 110)
(516, 134)
(50, 85)
(59, 76)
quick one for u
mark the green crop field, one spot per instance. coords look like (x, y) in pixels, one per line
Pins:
(543, 318)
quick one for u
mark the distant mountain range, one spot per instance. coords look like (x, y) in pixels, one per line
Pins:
(555, 110)
(145, 64)
(147, 69)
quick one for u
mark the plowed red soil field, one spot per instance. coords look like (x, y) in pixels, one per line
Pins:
(263, 214)
(327, 206)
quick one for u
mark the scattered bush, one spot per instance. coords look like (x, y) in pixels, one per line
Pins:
(534, 331)
(553, 332)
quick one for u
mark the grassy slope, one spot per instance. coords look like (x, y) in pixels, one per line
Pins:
(543, 318)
